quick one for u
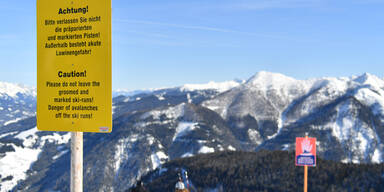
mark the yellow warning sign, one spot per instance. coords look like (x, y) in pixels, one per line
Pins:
(74, 91)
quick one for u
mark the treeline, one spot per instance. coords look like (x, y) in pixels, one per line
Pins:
(265, 171)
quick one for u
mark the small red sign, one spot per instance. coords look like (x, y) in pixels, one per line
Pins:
(305, 151)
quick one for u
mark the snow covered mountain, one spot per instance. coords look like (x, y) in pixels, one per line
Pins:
(266, 112)
(346, 114)
(16, 102)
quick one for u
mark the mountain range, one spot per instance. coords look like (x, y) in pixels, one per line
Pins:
(152, 127)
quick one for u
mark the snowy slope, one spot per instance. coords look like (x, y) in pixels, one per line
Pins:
(16, 102)
(21, 148)
(220, 87)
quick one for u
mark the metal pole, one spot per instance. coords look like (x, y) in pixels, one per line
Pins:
(76, 161)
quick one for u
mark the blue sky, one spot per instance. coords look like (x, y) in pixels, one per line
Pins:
(165, 43)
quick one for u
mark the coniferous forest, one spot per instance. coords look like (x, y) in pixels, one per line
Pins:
(265, 171)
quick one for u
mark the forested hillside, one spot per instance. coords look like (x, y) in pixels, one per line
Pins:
(265, 171)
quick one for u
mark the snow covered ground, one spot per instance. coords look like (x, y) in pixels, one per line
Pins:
(15, 164)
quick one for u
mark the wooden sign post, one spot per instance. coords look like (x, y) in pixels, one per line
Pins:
(77, 161)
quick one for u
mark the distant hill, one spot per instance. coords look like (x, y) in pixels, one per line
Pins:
(265, 171)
